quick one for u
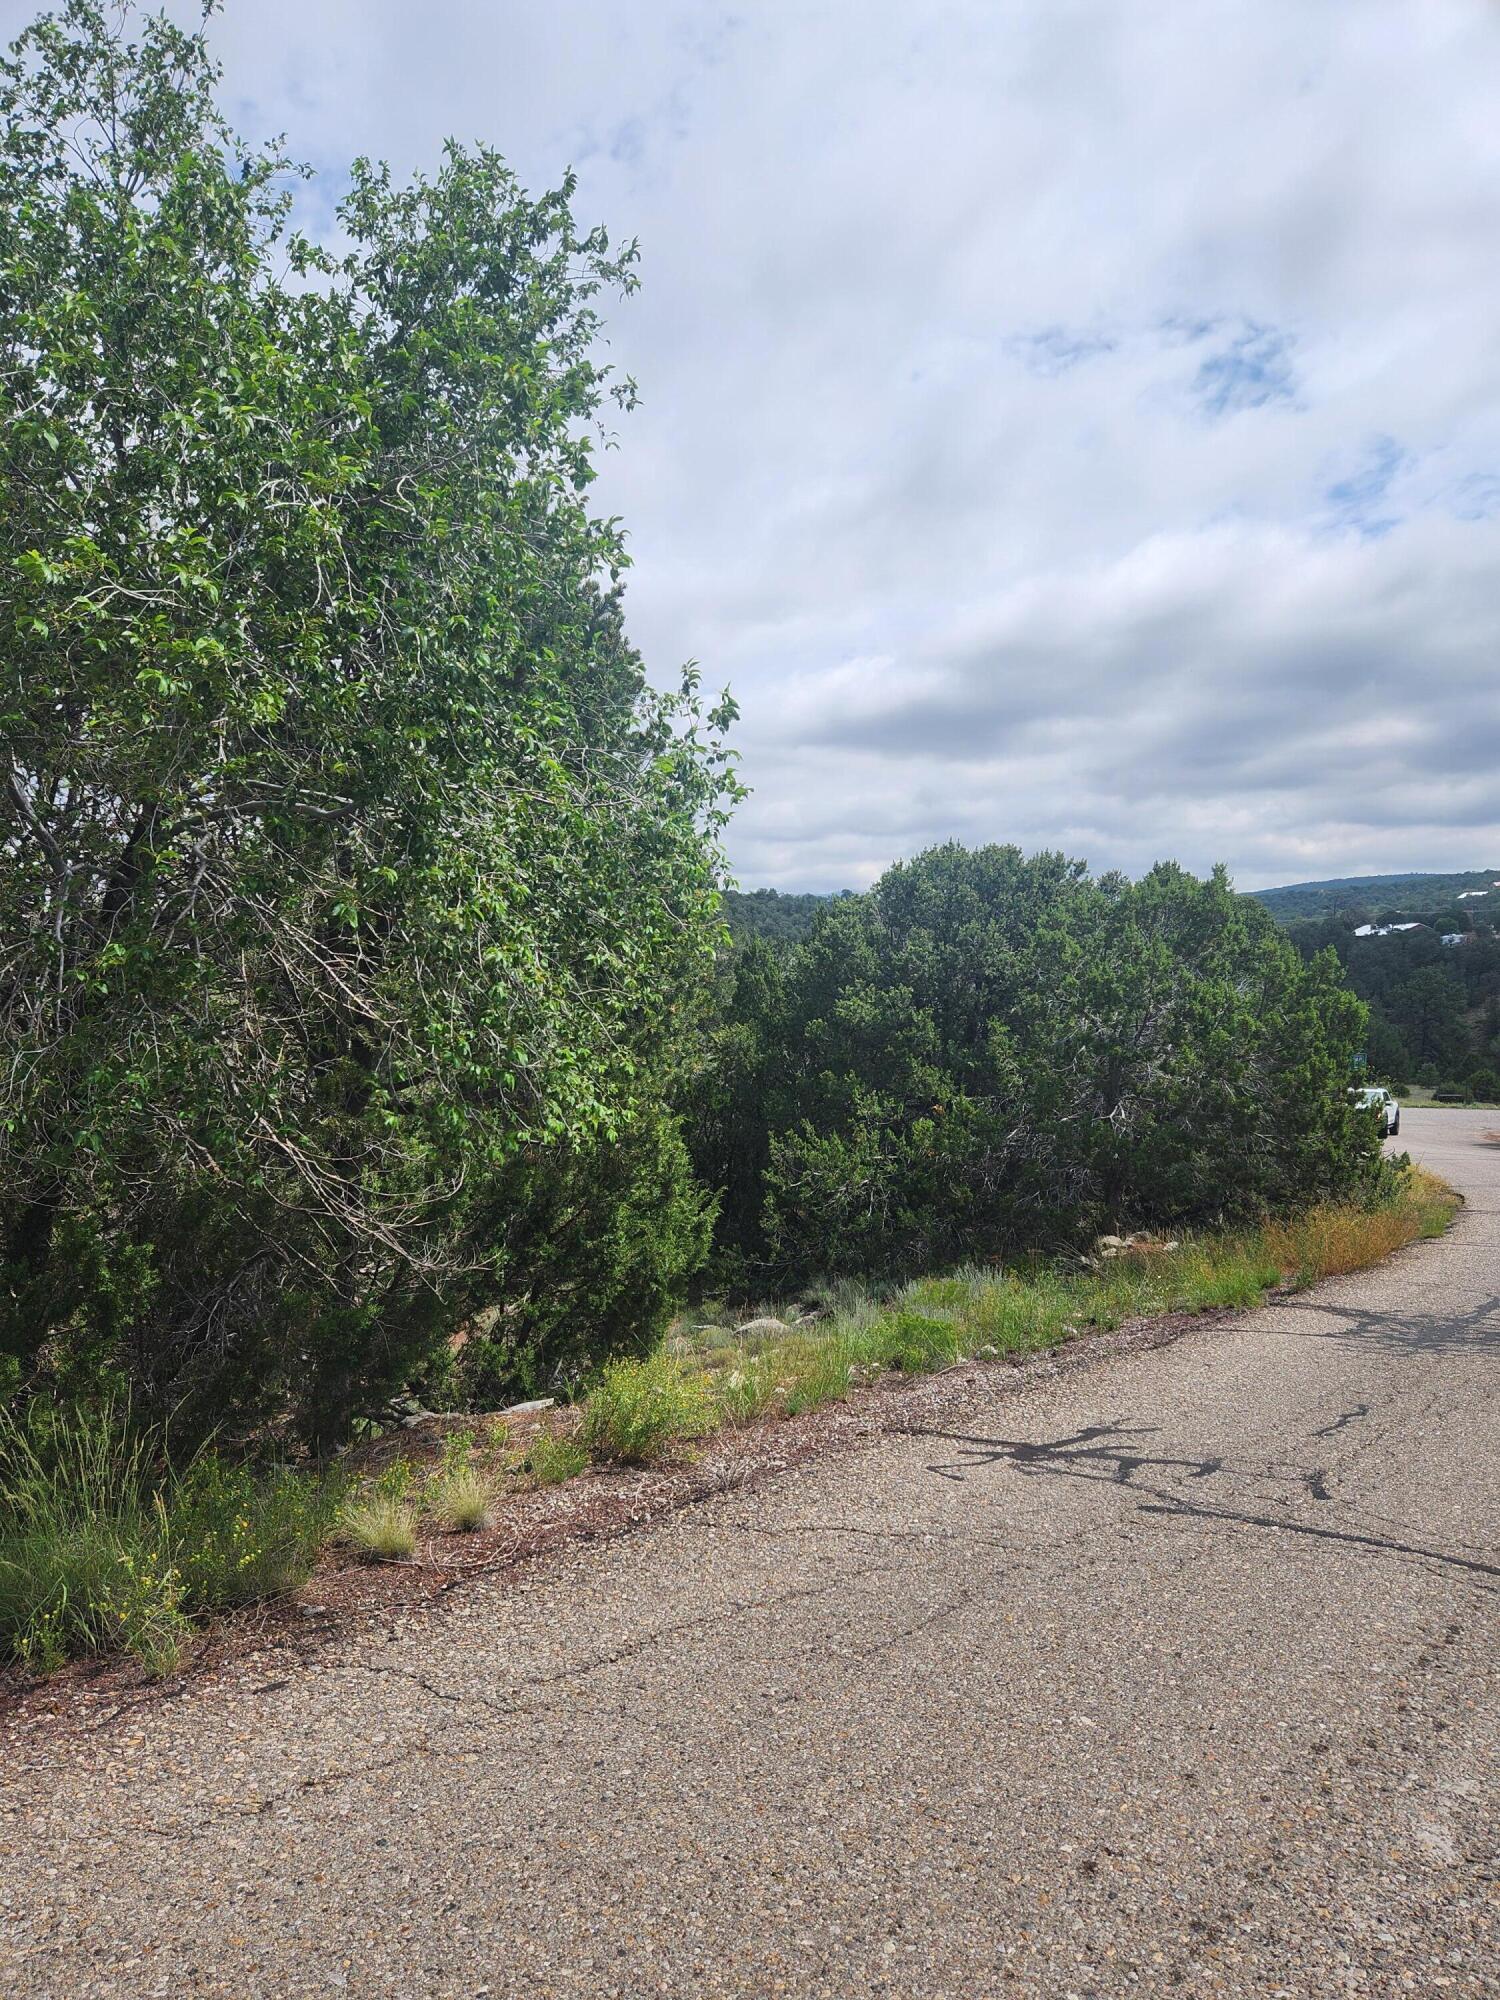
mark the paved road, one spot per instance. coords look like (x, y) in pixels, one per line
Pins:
(1176, 1677)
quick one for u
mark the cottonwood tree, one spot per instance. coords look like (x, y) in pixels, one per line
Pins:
(355, 887)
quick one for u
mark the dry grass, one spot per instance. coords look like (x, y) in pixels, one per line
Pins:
(1334, 1239)
(460, 1500)
(379, 1527)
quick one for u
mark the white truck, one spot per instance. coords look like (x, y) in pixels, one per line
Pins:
(1375, 1097)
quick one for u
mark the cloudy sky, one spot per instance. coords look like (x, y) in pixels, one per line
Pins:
(1063, 421)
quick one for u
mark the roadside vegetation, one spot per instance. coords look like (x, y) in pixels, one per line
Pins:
(105, 1547)
(370, 1030)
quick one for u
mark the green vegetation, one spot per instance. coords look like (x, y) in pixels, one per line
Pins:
(105, 1545)
(708, 1377)
(460, 1496)
(357, 892)
(1434, 1008)
(552, 1459)
(990, 1055)
(641, 1408)
(772, 914)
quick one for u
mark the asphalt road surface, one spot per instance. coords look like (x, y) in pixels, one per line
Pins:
(1174, 1677)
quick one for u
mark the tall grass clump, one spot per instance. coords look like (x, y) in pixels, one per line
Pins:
(460, 1495)
(639, 1411)
(379, 1527)
(107, 1546)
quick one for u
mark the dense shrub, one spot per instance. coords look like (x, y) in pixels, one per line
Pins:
(989, 1053)
(641, 1410)
(356, 889)
(590, 1250)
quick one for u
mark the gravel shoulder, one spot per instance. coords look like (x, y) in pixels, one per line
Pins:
(1175, 1675)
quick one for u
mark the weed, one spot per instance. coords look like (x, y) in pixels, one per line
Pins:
(552, 1459)
(640, 1410)
(745, 1387)
(240, 1535)
(821, 1369)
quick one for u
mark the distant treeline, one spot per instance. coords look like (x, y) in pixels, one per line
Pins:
(782, 918)
(1434, 1008)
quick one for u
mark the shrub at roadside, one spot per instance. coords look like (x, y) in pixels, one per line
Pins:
(991, 1055)
(641, 1410)
(357, 889)
(104, 1547)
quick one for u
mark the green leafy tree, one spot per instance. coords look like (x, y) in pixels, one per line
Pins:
(349, 868)
(1427, 1010)
(989, 1053)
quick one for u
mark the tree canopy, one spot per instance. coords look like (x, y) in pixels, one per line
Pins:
(991, 1053)
(353, 879)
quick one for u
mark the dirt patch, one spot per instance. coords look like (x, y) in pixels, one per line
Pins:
(344, 1596)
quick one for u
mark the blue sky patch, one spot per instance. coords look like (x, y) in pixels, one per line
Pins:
(1253, 370)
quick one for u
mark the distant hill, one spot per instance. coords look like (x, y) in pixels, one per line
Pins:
(1370, 895)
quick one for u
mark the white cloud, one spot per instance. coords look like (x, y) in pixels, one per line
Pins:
(1067, 422)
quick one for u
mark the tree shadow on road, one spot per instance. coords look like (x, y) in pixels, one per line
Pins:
(1118, 1454)
(1476, 1331)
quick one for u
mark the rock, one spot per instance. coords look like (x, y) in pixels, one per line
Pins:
(530, 1409)
(764, 1326)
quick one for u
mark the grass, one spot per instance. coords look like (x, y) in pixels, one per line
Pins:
(984, 1312)
(460, 1495)
(379, 1527)
(106, 1546)
(460, 1501)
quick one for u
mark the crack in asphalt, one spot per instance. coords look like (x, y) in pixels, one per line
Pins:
(499, 1710)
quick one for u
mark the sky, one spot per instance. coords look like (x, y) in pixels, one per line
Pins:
(1061, 422)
